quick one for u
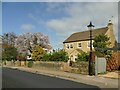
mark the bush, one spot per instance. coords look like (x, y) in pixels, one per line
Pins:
(47, 57)
(56, 56)
(30, 63)
(37, 52)
(82, 56)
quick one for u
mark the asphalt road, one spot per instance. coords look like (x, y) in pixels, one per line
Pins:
(12, 78)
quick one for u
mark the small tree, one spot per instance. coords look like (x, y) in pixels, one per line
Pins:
(37, 52)
(9, 52)
(102, 41)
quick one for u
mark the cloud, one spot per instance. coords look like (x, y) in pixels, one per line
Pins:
(79, 16)
(27, 27)
(75, 16)
(81, 13)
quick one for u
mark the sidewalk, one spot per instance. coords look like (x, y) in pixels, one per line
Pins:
(92, 80)
(114, 75)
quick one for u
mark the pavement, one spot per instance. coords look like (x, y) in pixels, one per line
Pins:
(99, 81)
(114, 75)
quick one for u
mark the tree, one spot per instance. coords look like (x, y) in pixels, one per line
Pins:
(26, 40)
(102, 41)
(9, 53)
(9, 38)
(37, 52)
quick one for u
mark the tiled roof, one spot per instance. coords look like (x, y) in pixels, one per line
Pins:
(85, 35)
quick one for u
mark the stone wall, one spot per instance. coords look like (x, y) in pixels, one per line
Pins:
(81, 67)
(49, 65)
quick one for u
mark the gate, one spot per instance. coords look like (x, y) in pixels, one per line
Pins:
(100, 65)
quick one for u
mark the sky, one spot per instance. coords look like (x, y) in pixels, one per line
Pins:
(57, 20)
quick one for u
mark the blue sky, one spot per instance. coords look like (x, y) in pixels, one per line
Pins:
(57, 20)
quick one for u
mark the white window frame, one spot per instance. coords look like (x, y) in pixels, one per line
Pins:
(71, 45)
(67, 45)
(78, 44)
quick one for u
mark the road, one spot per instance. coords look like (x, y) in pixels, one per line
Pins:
(13, 78)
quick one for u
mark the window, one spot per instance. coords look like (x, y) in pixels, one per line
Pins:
(79, 44)
(67, 46)
(71, 46)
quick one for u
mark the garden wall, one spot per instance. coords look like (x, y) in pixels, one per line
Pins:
(81, 67)
(49, 65)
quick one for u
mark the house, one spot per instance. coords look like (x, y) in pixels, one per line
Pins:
(80, 41)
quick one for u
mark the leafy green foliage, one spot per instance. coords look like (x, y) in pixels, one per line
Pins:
(82, 56)
(9, 53)
(30, 63)
(102, 41)
(37, 52)
(56, 56)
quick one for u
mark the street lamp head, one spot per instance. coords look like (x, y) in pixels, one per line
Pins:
(90, 26)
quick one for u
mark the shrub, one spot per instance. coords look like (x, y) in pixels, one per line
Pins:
(37, 52)
(56, 56)
(30, 63)
(82, 56)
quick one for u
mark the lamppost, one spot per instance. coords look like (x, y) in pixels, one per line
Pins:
(90, 27)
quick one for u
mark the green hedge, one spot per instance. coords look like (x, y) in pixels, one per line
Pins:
(56, 56)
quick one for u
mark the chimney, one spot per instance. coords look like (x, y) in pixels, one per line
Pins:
(110, 25)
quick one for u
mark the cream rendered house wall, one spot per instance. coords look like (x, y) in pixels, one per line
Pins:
(73, 52)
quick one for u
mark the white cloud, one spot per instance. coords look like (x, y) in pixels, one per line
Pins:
(79, 15)
(27, 27)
